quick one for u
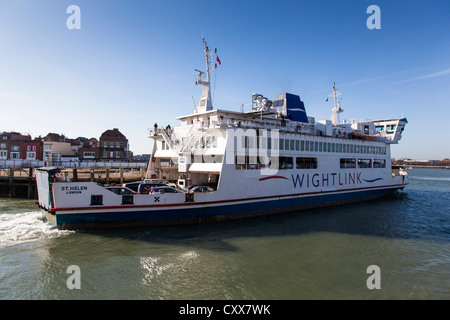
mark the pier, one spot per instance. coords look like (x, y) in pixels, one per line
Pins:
(20, 182)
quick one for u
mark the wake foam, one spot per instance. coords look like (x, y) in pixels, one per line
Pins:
(23, 227)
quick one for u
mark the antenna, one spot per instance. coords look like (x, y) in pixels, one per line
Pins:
(337, 105)
(205, 103)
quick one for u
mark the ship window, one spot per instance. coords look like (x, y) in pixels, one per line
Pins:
(251, 162)
(251, 142)
(306, 163)
(278, 103)
(307, 145)
(273, 163)
(292, 144)
(269, 143)
(127, 199)
(240, 162)
(297, 145)
(302, 145)
(379, 163)
(366, 129)
(364, 163)
(311, 145)
(263, 143)
(244, 143)
(320, 147)
(390, 128)
(96, 200)
(316, 146)
(286, 163)
(332, 147)
(348, 163)
(286, 144)
(281, 144)
(275, 143)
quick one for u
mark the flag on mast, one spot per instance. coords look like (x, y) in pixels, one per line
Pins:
(218, 60)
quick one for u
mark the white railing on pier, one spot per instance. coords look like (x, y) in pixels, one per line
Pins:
(69, 164)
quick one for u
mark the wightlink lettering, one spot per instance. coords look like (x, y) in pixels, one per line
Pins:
(316, 180)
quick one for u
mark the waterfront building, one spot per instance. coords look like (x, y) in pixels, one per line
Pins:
(114, 146)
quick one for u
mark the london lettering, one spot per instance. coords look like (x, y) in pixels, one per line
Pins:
(316, 180)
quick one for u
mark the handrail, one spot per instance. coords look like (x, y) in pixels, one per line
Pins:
(192, 131)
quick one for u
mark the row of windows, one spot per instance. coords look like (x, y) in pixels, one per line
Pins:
(362, 163)
(307, 145)
(17, 148)
(285, 163)
(112, 144)
(31, 155)
(113, 154)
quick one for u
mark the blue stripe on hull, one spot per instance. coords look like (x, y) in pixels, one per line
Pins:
(226, 211)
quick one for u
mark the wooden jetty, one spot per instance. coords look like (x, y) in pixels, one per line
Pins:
(20, 182)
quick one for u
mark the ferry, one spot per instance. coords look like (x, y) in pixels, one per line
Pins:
(265, 158)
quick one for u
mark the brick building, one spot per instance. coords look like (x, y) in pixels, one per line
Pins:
(113, 146)
(89, 149)
(16, 146)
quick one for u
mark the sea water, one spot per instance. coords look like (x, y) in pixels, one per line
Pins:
(315, 254)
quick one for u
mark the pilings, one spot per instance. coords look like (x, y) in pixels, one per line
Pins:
(18, 183)
(21, 182)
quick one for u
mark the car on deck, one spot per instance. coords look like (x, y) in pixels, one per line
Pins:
(200, 189)
(120, 190)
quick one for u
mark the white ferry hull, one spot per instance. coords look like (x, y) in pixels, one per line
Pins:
(195, 213)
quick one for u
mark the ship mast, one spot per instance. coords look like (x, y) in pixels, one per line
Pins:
(337, 106)
(205, 103)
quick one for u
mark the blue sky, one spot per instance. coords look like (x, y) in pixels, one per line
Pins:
(132, 63)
